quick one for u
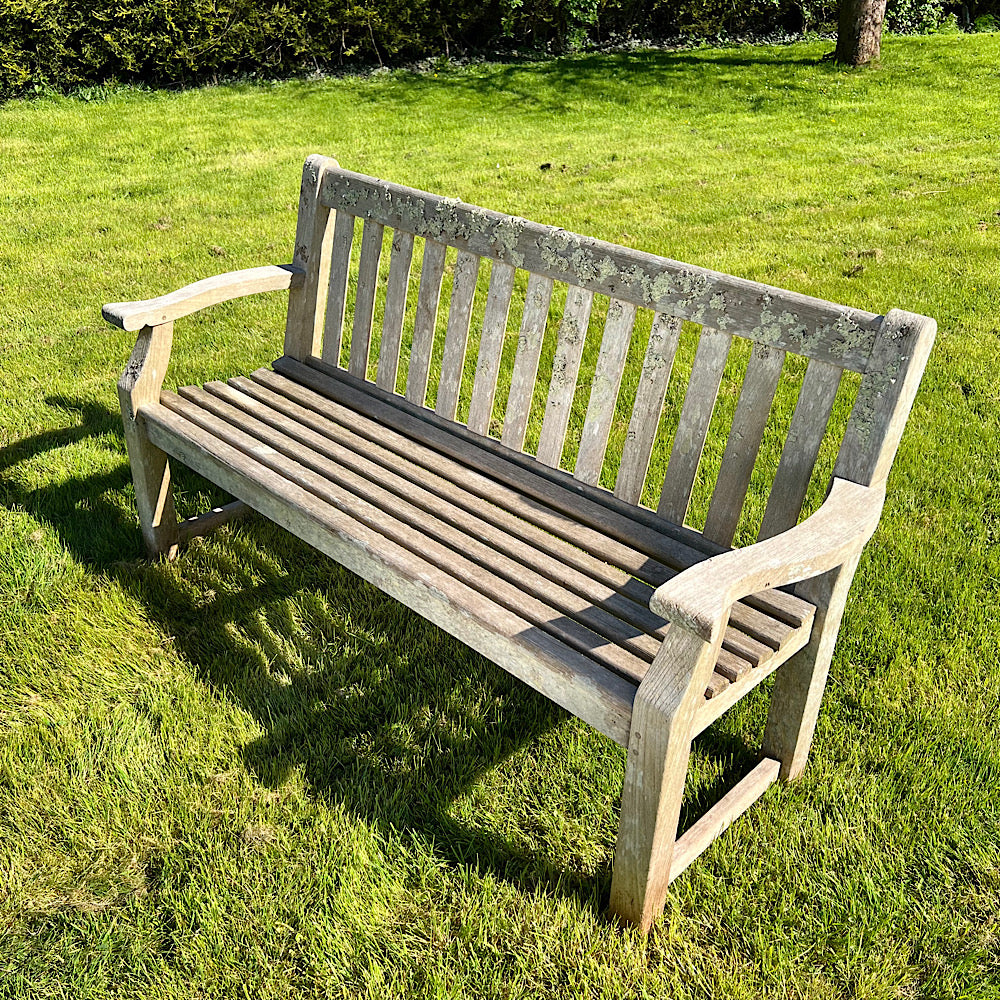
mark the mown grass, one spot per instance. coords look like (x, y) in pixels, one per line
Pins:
(247, 774)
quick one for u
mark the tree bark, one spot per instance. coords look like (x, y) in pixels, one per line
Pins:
(859, 33)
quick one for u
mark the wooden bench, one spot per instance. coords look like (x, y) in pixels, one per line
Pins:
(564, 583)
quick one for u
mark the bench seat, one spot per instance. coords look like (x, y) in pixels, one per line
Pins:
(505, 544)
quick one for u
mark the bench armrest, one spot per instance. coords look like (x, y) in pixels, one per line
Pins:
(699, 598)
(207, 292)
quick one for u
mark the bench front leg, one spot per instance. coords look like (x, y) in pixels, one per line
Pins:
(138, 386)
(655, 771)
(799, 684)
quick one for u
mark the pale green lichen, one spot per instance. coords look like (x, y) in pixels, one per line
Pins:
(504, 239)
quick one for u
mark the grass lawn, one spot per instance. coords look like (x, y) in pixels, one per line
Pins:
(246, 774)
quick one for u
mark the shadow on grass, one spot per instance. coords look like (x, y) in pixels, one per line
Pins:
(710, 80)
(379, 710)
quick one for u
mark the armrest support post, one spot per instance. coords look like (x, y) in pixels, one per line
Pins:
(138, 386)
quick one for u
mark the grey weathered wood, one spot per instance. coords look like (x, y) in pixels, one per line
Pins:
(885, 396)
(336, 301)
(604, 390)
(542, 602)
(313, 232)
(488, 501)
(397, 286)
(719, 818)
(745, 435)
(529, 350)
(463, 291)
(530, 550)
(798, 689)
(692, 430)
(784, 319)
(644, 550)
(565, 369)
(139, 387)
(431, 275)
(664, 337)
(207, 292)
(203, 524)
(364, 299)
(655, 770)
(597, 695)
(798, 456)
(495, 315)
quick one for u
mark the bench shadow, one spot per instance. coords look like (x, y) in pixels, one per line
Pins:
(346, 683)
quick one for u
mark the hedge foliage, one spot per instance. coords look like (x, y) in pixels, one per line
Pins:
(73, 43)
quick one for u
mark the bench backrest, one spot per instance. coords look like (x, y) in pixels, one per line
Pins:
(548, 267)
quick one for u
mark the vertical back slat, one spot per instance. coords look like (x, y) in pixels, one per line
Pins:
(565, 368)
(364, 300)
(798, 456)
(463, 292)
(663, 340)
(313, 234)
(604, 390)
(490, 347)
(692, 430)
(529, 350)
(431, 273)
(395, 309)
(745, 435)
(336, 302)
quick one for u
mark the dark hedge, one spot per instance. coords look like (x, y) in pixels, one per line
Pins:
(67, 44)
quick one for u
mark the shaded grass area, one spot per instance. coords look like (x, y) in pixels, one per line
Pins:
(248, 771)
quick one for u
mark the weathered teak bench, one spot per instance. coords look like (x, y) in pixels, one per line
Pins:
(567, 585)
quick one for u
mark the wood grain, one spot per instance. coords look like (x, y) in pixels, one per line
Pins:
(664, 336)
(400, 259)
(565, 370)
(745, 435)
(529, 349)
(364, 299)
(425, 324)
(692, 430)
(336, 300)
(798, 456)
(463, 291)
(484, 387)
(604, 390)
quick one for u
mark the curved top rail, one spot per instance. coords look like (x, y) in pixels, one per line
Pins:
(788, 320)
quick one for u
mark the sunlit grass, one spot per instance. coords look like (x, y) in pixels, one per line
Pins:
(246, 771)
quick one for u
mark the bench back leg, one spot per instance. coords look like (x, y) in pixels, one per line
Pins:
(655, 772)
(799, 683)
(140, 384)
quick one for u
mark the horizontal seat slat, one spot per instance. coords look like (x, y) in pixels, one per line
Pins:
(603, 650)
(511, 548)
(562, 525)
(530, 589)
(598, 696)
(521, 562)
(591, 517)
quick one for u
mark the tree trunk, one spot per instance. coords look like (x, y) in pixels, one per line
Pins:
(859, 34)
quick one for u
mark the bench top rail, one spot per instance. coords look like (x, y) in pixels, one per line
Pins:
(627, 368)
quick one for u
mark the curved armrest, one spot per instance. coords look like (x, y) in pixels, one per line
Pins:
(207, 292)
(699, 598)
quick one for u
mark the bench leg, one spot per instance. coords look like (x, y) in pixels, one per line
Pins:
(799, 683)
(655, 772)
(140, 384)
